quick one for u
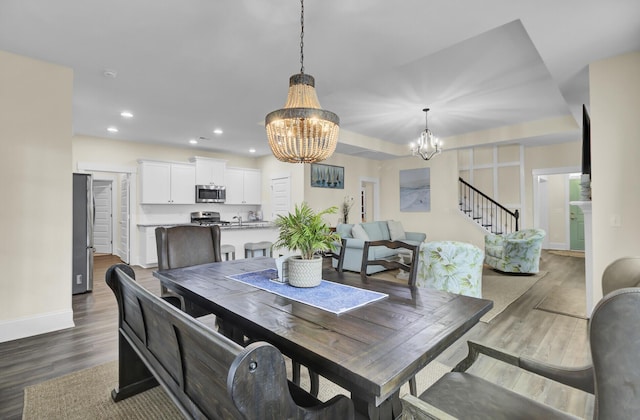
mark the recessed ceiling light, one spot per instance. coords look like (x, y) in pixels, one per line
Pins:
(252, 150)
(126, 114)
(112, 129)
(193, 141)
(110, 73)
(217, 131)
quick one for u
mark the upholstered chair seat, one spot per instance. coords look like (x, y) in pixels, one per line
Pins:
(455, 267)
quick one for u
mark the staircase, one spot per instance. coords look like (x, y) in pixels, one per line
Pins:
(485, 211)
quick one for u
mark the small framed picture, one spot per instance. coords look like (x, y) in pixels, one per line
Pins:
(327, 176)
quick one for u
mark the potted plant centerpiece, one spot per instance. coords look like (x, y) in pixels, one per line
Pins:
(305, 231)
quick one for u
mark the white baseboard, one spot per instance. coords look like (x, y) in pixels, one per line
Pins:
(34, 325)
(560, 246)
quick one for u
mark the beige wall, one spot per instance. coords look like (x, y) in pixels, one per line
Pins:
(444, 221)
(270, 167)
(562, 155)
(35, 252)
(322, 198)
(615, 150)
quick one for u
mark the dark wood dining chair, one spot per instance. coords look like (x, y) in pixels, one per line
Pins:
(394, 262)
(338, 254)
(613, 378)
(185, 246)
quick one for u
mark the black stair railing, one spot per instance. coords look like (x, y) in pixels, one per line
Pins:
(485, 211)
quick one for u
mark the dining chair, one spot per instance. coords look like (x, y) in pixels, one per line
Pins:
(396, 261)
(339, 255)
(184, 246)
(613, 378)
(623, 272)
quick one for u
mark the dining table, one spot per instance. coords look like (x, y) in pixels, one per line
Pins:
(371, 350)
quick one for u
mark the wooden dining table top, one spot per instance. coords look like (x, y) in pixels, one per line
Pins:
(371, 350)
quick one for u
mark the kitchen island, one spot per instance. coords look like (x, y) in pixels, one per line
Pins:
(235, 234)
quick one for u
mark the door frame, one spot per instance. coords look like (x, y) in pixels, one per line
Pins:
(376, 194)
(108, 179)
(97, 167)
(538, 201)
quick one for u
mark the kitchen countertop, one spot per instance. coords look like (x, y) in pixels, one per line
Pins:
(234, 226)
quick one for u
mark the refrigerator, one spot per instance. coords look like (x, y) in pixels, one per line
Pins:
(83, 220)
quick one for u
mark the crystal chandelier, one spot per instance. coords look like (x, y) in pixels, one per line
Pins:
(302, 132)
(428, 146)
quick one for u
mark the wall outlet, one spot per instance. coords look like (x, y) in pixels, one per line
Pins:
(615, 220)
(79, 279)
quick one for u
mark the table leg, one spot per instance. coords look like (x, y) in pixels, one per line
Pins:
(390, 409)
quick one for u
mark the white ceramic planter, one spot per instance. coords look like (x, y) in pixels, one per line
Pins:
(304, 273)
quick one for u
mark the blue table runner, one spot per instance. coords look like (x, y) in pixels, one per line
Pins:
(329, 296)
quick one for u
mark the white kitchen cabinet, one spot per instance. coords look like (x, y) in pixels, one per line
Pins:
(167, 182)
(209, 171)
(244, 186)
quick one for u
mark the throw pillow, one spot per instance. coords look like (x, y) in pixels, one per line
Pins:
(359, 233)
(396, 231)
(344, 230)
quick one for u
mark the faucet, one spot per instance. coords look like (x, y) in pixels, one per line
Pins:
(239, 219)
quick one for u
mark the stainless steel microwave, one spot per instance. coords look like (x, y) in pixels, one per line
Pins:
(211, 194)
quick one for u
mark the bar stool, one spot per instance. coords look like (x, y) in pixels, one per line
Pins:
(228, 249)
(251, 247)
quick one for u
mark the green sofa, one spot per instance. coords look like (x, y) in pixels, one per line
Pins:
(355, 236)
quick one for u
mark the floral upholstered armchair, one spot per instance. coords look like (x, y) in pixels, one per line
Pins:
(517, 252)
(452, 266)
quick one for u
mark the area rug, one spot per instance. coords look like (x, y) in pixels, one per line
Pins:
(502, 288)
(568, 301)
(567, 253)
(86, 394)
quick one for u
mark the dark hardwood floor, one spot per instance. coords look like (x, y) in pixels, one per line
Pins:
(519, 329)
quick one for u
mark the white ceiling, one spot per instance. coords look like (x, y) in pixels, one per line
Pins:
(187, 67)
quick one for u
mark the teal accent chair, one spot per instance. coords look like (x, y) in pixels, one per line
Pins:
(455, 267)
(517, 252)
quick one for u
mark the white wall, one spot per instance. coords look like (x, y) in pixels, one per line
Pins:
(615, 151)
(36, 190)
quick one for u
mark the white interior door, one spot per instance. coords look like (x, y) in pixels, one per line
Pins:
(280, 196)
(102, 228)
(123, 244)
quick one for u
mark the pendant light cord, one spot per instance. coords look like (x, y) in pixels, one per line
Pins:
(302, 36)
(426, 119)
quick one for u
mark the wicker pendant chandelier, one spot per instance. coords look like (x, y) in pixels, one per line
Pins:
(302, 132)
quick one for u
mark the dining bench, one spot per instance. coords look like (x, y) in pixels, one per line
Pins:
(204, 373)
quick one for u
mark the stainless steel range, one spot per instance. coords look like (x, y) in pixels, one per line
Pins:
(207, 218)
